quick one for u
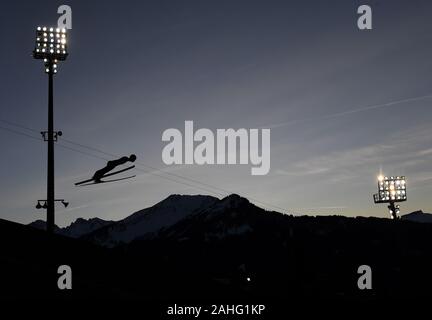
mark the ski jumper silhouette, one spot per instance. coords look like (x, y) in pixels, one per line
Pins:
(111, 165)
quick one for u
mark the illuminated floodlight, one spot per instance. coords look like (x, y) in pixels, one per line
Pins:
(44, 36)
(391, 190)
(51, 47)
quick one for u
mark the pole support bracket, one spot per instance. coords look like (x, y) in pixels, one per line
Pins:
(56, 135)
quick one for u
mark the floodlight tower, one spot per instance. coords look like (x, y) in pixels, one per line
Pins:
(51, 47)
(391, 190)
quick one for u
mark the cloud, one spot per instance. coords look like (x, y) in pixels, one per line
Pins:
(69, 209)
(302, 170)
(425, 152)
(337, 161)
(401, 151)
(348, 112)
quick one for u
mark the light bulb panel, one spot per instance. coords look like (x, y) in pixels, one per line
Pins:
(391, 189)
(51, 43)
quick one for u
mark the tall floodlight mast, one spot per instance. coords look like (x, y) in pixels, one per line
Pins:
(51, 47)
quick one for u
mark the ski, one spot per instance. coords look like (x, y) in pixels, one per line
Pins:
(107, 175)
(106, 181)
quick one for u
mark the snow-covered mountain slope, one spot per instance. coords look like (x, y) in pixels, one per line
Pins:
(231, 216)
(82, 227)
(418, 216)
(148, 222)
(189, 217)
(174, 216)
(76, 229)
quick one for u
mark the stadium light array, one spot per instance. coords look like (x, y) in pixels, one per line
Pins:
(51, 46)
(391, 190)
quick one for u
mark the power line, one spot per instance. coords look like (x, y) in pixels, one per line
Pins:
(141, 170)
(20, 133)
(225, 191)
(102, 158)
(18, 125)
(205, 188)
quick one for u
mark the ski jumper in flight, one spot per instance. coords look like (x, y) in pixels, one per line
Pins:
(111, 165)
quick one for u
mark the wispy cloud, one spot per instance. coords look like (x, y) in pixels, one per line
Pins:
(349, 112)
(425, 152)
(302, 170)
(71, 209)
(402, 150)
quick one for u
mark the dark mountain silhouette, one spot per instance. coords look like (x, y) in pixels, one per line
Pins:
(76, 229)
(230, 216)
(418, 216)
(199, 247)
(148, 222)
(169, 217)
(41, 225)
(30, 257)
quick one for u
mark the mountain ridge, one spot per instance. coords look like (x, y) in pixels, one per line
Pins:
(182, 217)
(76, 229)
(418, 216)
(149, 221)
